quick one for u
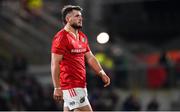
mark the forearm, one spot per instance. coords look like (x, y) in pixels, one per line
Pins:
(95, 65)
(55, 72)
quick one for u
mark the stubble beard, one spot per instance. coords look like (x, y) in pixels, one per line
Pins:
(76, 27)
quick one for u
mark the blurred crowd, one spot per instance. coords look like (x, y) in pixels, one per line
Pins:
(157, 75)
(22, 91)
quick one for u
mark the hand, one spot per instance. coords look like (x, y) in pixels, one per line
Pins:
(58, 94)
(105, 79)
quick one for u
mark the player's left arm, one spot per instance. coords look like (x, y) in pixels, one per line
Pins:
(95, 65)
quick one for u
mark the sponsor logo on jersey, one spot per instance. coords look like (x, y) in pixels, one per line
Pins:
(80, 50)
(72, 103)
(82, 100)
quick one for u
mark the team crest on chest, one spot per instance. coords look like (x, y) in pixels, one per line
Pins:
(83, 39)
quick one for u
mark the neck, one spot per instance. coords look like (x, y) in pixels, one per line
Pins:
(70, 29)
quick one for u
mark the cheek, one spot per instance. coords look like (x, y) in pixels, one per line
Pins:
(75, 19)
(71, 21)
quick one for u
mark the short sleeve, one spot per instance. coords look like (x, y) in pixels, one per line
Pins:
(87, 46)
(59, 44)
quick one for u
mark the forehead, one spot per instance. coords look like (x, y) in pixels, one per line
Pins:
(76, 12)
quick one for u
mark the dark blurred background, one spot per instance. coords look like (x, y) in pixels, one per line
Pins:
(142, 56)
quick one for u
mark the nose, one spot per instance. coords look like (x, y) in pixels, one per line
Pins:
(80, 17)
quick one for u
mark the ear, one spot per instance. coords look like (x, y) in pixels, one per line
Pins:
(68, 18)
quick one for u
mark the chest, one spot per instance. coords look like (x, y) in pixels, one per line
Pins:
(76, 45)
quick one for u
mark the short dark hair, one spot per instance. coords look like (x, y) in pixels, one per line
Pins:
(67, 9)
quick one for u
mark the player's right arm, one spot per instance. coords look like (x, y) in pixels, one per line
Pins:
(55, 72)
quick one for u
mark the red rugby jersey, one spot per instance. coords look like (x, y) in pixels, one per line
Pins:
(72, 66)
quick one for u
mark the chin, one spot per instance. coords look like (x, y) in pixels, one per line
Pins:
(79, 26)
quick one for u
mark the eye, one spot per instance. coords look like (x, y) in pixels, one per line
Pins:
(77, 15)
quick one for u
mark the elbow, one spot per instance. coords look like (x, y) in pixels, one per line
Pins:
(91, 59)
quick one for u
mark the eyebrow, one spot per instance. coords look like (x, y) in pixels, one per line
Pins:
(78, 14)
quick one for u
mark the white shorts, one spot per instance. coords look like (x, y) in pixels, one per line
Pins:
(75, 98)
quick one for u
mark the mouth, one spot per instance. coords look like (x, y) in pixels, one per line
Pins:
(80, 23)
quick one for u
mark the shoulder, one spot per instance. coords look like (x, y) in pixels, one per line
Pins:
(82, 34)
(60, 38)
(60, 35)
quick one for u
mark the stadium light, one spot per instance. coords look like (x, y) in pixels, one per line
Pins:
(103, 38)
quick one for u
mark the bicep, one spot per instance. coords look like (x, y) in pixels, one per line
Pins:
(89, 55)
(56, 58)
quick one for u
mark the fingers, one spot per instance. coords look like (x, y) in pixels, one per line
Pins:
(58, 95)
(107, 84)
(57, 98)
(106, 81)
